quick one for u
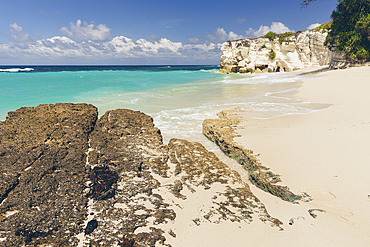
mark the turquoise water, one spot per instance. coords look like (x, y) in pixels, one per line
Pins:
(179, 98)
(46, 85)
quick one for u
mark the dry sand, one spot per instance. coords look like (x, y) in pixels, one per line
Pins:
(327, 155)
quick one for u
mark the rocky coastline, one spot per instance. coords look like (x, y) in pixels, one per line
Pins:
(274, 54)
(71, 179)
(282, 53)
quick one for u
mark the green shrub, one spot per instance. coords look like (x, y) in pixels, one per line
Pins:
(324, 27)
(284, 37)
(350, 30)
(264, 46)
(270, 35)
(271, 54)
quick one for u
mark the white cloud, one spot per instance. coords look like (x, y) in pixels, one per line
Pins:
(276, 27)
(312, 26)
(17, 34)
(194, 40)
(234, 36)
(221, 35)
(82, 31)
(61, 48)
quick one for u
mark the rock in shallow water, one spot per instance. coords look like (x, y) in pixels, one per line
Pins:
(68, 179)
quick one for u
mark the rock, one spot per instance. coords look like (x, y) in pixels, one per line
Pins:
(242, 64)
(91, 226)
(251, 70)
(42, 169)
(70, 179)
(229, 69)
(221, 132)
(243, 70)
(258, 71)
(304, 49)
(312, 212)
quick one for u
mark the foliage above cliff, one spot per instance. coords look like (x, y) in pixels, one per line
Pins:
(324, 27)
(350, 31)
(284, 37)
(272, 54)
(270, 35)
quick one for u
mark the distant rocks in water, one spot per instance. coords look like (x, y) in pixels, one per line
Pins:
(68, 178)
(290, 51)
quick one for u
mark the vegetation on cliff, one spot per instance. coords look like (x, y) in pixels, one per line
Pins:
(324, 27)
(272, 54)
(350, 30)
(270, 35)
(284, 37)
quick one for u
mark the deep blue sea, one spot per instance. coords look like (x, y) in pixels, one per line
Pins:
(179, 98)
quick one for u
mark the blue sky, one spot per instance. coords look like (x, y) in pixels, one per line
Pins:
(141, 31)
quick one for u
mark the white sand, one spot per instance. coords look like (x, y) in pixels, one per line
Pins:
(327, 155)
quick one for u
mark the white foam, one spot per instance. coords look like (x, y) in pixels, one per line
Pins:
(17, 70)
(264, 79)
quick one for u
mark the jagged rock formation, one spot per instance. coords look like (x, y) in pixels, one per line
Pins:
(70, 179)
(293, 52)
(221, 132)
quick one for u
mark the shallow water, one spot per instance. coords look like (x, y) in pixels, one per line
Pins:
(179, 98)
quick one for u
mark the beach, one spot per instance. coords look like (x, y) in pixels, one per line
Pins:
(325, 154)
(309, 127)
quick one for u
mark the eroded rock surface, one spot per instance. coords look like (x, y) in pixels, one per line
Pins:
(296, 51)
(68, 179)
(42, 172)
(221, 132)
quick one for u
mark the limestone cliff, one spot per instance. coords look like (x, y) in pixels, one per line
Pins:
(284, 53)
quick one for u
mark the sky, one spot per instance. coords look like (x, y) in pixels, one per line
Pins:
(124, 32)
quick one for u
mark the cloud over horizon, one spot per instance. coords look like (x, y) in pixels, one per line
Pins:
(82, 31)
(120, 47)
(92, 43)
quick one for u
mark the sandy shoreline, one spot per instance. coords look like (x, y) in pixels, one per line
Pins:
(327, 155)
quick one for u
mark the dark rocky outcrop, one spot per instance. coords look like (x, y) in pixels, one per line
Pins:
(68, 179)
(221, 132)
(42, 173)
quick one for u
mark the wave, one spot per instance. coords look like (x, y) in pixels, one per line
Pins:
(210, 71)
(263, 79)
(17, 70)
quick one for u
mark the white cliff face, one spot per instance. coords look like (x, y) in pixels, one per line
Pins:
(297, 51)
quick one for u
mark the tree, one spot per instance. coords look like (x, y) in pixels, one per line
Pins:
(350, 31)
(307, 2)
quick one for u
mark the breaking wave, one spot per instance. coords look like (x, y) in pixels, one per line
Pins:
(16, 70)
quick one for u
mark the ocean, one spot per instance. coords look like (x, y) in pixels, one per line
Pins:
(178, 98)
